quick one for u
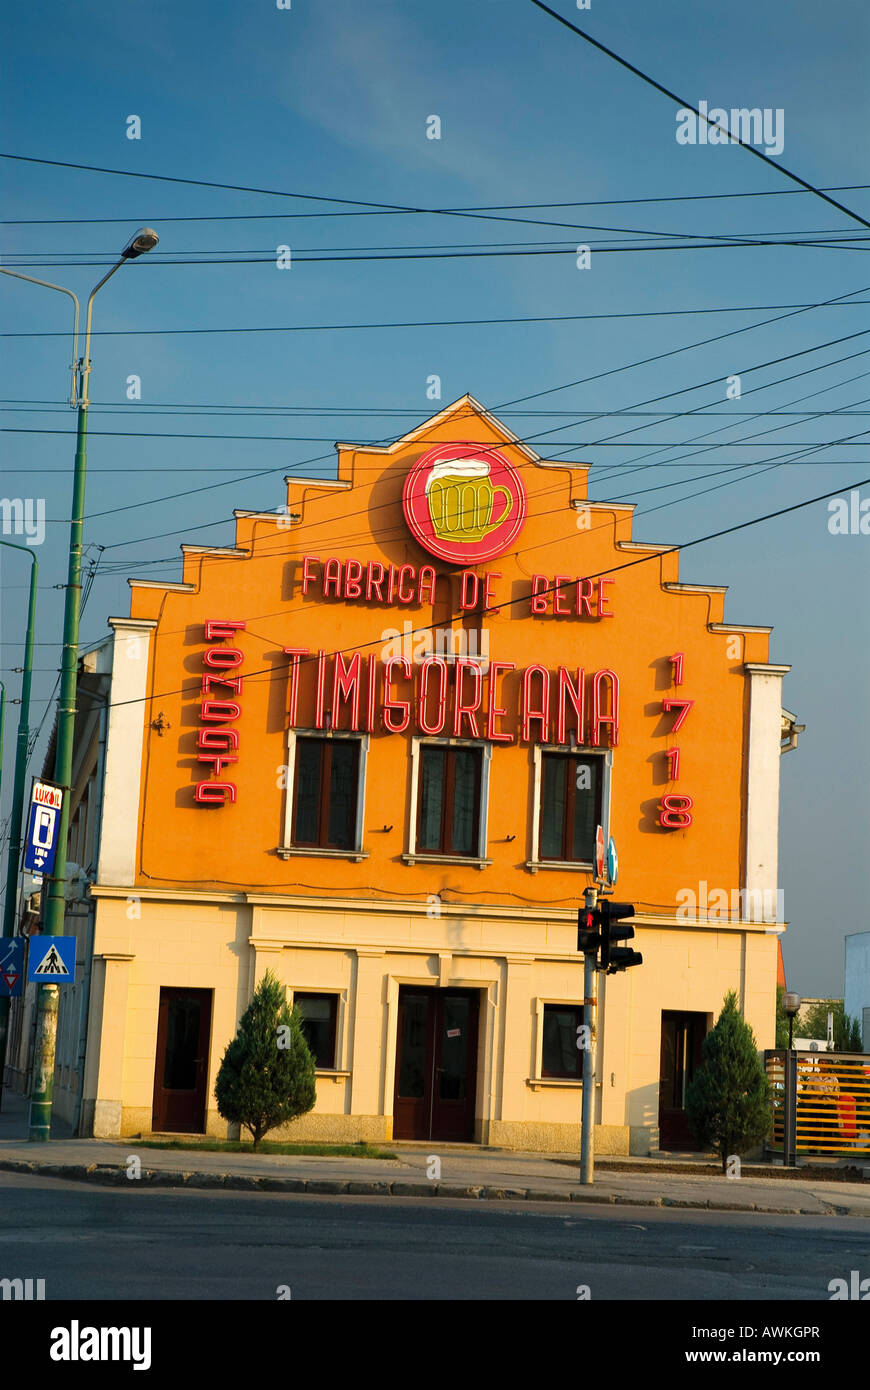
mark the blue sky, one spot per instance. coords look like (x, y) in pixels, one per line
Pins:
(332, 99)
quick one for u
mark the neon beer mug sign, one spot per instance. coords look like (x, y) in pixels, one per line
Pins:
(464, 503)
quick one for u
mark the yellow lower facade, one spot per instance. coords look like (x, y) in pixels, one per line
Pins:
(514, 962)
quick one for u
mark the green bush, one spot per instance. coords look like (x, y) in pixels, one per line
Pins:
(729, 1103)
(814, 1024)
(266, 1077)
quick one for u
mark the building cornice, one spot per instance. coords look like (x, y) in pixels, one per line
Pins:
(162, 584)
(237, 552)
(737, 627)
(676, 586)
(294, 902)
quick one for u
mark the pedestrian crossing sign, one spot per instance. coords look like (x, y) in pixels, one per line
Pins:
(52, 960)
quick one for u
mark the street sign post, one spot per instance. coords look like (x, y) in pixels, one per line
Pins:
(43, 821)
(52, 960)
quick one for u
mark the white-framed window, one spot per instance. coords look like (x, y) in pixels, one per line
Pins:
(324, 807)
(559, 1039)
(570, 797)
(324, 1014)
(448, 807)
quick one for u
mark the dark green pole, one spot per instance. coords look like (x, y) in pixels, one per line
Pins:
(54, 901)
(42, 1094)
(21, 756)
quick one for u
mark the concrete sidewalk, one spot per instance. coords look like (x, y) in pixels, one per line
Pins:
(475, 1174)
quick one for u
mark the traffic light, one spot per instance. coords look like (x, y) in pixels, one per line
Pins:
(614, 957)
(588, 937)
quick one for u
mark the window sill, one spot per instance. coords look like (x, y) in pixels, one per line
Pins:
(562, 1082)
(328, 1074)
(312, 852)
(577, 866)
(446, 859)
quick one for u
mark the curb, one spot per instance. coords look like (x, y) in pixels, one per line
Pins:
(108, 1175)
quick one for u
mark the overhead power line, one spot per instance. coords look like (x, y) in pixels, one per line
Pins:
(269, 258)
(687, 105)
(552, 243)
(704, 342)
(424, 212)
(266, 472)
(529, 439)
(374, 206)
(353, 411)
(441, 323)
(209, 487)
(657, 556)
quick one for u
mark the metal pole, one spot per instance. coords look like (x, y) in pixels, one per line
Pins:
(587, 1119)
(11, 903)
(19, 777)
(789, 1156)
(47, 284)
(55, 904)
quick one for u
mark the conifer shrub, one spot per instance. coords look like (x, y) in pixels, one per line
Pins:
(266, 1077)
(729, 1102)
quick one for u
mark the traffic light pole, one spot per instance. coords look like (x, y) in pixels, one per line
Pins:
(587, 1121)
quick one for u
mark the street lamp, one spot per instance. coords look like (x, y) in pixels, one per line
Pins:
(144, 240)
(54, 904)
(791, 1005)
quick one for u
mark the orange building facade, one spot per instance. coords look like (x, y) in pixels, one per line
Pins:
(368, 747)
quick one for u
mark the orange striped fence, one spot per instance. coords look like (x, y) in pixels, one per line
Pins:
(833, 1103)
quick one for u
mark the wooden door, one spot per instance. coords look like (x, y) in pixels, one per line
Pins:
(181, 1066)
(454, 1086)
(412, 1102)
(436, 1064)
(682, 1037)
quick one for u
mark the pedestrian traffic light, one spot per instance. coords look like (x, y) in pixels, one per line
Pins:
(588, 937)
(614, 957)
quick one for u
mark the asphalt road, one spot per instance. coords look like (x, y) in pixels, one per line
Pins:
(93, 1243)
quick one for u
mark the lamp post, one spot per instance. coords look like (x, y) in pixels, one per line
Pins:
(18, 790)
(53, 911)
(791, 1004)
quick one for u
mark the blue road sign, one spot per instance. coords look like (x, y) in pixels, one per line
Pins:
(51, 960)
(43, 826)
(612, 861)
(11, 966)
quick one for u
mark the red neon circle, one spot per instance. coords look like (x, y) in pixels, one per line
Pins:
(509, 519)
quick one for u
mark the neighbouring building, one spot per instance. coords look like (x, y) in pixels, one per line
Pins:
(857, 999)
(368, 746)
